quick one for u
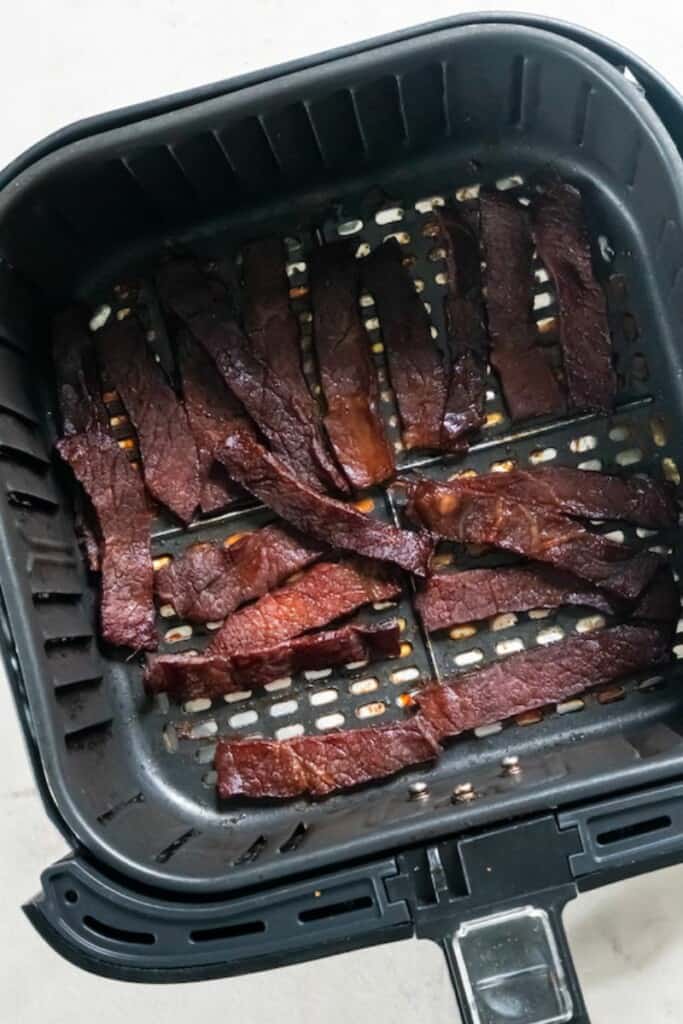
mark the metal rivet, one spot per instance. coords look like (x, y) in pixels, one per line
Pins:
(418, 791)
(511, 765)
(463, 792)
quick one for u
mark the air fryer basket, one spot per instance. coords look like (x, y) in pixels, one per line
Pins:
(359, 146)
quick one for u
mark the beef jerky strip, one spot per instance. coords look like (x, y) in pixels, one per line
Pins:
(319, 765)
(529, 385)
(320, 595)
(274, 334)
(80, 410)
(661, 601)
(534, 678)
(257, 377)
(170, 464)
(468, 341)
(575, 492)
(212, 676)
(213, 412)
(325, 519)
(475, 517)
(416, 366)
(562, 242)
(113, 487)
(208, 581)
(348, 374)
(451, 598)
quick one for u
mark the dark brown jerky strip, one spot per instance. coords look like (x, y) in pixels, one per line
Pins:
(274, 334)
(320, 765)
(348, 374)
(170, 463)
(78, 385)
(112, 486)
(251, 374)
(208, 581)
(529, 385)
(117, 495)
(81, 410)
(213, 412)
(87, 532)
(563, 246)
(212, 676)
(477, 517)
(661, 601)
(576, 492)
(468, 341)
(325, 519)
(416, 367)
(534, 678)
(452, 598)
(320, 595)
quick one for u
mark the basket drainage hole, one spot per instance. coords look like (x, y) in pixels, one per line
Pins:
(71, 896)
(638, 828)
(335, 909)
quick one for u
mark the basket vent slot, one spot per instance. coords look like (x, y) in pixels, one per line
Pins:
(336, 909)
(295, 839)
(228, 931)
(250, 154)
(251, 853)
(109, 931)
(638, 828)
(381, 117)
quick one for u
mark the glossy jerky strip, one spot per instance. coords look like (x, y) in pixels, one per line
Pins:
(274, 333)
(170, 464)
(318, 765)
(213, 412)
(416, 367)
(112, 486)
(208, 581)
(542, 676)
(468, 341)
(452, 598)
(325, 519)
(529, 385)
(576, 492)
(347, 372)
(562, 242)
(210, 676)
(472, 517)
(320, 595)
(253, 374)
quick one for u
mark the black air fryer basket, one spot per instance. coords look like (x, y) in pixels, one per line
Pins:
(482, 851)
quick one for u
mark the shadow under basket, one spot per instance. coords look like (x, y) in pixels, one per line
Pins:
(361, 146)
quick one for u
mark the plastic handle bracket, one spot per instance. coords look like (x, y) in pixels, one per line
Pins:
(514, 966)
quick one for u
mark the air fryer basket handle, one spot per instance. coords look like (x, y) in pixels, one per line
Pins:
(514, 966)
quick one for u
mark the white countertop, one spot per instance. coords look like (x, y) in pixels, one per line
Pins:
(67, 59)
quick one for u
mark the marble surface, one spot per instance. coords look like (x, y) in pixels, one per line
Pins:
(66, 60)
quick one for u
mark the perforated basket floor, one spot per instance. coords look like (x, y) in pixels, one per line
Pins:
(133, 778)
